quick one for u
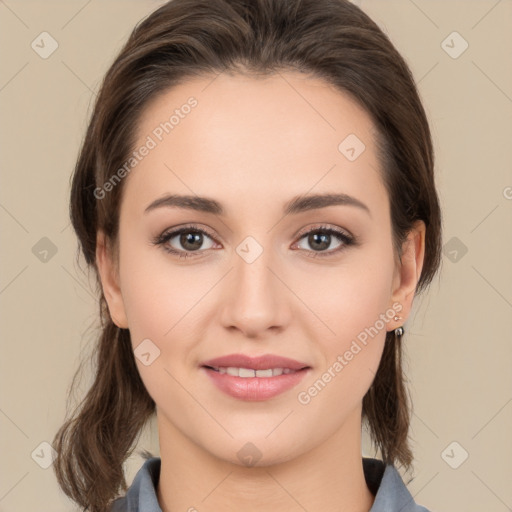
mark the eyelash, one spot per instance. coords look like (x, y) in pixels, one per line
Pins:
(162, 239)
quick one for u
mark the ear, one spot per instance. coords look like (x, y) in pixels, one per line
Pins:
(408, 271)
(110, 281)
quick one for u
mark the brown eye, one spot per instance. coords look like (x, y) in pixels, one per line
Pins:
(321, 239)
(184, 241)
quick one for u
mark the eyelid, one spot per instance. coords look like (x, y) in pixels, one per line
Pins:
(190, 227)
(299, 234)
(322, 227)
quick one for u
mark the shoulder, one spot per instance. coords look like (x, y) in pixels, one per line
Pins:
(386, 484)
(141, 495)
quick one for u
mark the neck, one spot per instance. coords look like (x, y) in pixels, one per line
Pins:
(329, 477)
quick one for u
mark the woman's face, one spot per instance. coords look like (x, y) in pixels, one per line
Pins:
(251, 152)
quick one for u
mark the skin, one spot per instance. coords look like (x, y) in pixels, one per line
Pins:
(253, 144)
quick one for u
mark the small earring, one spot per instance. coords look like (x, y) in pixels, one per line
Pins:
(399, 331)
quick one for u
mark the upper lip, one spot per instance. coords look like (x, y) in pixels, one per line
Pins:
(263, 362)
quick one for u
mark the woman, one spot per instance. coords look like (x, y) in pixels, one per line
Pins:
(256, 196)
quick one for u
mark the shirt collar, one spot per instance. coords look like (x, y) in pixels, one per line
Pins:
(383, 480)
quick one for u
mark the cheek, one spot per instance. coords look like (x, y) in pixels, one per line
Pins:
(355, 307)
(351, 357)
(161, 302)
(157, 294)
(354, 296)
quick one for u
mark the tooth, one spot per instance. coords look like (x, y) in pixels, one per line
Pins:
(249, 372)
(264, 373)
(246, 372)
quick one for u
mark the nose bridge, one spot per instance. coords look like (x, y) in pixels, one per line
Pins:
(255, 302)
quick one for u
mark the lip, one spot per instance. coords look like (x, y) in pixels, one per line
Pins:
(255, 388)
(256, 363)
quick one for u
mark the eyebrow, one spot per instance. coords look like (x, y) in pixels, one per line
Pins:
(296, 205)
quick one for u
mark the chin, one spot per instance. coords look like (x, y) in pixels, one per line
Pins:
(257, 451)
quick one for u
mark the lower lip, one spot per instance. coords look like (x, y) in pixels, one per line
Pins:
(255, 388)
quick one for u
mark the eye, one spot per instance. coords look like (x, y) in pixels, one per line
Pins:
(320, 238)
(190, 238)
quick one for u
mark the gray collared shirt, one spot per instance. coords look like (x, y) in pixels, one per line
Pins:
(384, 481)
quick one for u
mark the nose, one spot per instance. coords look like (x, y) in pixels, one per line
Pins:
(256, 299)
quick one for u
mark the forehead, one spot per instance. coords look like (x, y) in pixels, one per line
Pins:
(262, 105)
(255, 135)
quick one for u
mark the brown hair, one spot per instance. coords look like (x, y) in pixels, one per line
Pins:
(330, 39)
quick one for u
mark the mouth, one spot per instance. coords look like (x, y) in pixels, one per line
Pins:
(264, 362)
(245, 373)
(254, 378)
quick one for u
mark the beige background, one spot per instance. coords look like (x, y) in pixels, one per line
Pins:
(458, 341)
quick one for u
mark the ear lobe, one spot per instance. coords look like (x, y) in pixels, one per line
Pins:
(409, 271)
(110, 281)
